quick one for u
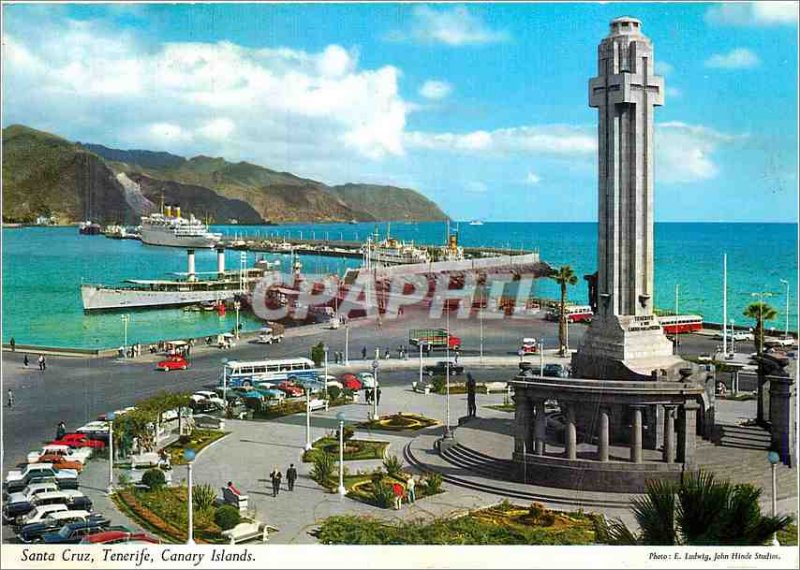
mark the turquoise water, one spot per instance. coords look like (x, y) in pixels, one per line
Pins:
(43, 269)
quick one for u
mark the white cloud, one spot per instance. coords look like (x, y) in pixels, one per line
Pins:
(307, 112)
(532, 178)
(685, 153)
(435, 89)
(449, 26)
(739, 58)
(760, 13)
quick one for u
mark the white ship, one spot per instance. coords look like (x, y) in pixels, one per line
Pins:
(188, 290)
(452, 251)
(171, 229)
(391, 251)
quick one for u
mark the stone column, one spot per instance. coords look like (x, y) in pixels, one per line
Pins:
(687, 427)
(636, 435)
(781, 416)
(570, 435)
(540, 429)
(669, 434)
(602, 449)
(522, 421)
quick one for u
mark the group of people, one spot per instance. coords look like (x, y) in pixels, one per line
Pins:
(338, 357)
(409, 492)
(371, 393)
(276, 477)
(41, 361)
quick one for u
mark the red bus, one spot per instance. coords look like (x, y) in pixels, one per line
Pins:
(674, 324)
(575, 314)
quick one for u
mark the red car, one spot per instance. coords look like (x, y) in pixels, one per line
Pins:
(119, 536)
(350, 381)
(173, 363)
(291, 389)
(79, 440)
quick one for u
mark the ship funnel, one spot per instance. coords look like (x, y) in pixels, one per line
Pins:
(177, 211)
(190, 269)
(221, 261)
(168, 210)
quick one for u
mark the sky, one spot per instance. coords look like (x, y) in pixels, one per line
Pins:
(481, 107)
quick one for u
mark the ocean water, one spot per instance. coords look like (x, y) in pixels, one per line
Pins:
(44, 267)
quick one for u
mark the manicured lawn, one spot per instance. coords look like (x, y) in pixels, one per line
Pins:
(400, 422)
(354, 449)
(199, 439)
(503, 524)
(164, 512)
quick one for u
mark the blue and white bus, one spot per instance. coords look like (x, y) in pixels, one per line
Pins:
(254, 372)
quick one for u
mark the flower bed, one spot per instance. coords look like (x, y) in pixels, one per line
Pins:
(289, 407)
(400, 422)
(502, 524)
(165, 512)
(354, 449)
(363, 490)
(198, 440)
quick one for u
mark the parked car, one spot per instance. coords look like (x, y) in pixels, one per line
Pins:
(79, 440)
(332, 382)
(74, 533)
(206, 397)
(95, 430)
(20, 503)
(291, 389)
(34, 532)
(18, 479)
(528, 345)
(72, 499)
(350, 381)
(367, 379)
(555, 370)
(173, 363)
(317, 404)
(38, 514)
(64, 452)
(441, 367)
(119, 536)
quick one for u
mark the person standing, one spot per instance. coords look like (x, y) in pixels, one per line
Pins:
(10, 398)
(378, 395)
(472, 409)
(291, 476)
(41, 361)
(61, 430)
(44, 363)
(25, 360)
(410, 489)
(13, 344)
(397, 489)
(456, 357)
(364, 353)
(276, 476)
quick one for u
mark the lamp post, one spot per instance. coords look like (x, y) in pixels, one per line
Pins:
(480, 320)
(541, 358)
(325, 380)
(342, 490)
(447, 433)
(773, 459)
(225, 381)
(308, 418)
(125, 320)
(347, 344)
(678, 330)
(110, 417)
(375, 366)
(237, 305)
(189, 456)
(733, 336)
(420, 365)
(786, 329)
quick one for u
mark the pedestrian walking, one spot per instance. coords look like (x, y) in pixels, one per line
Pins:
(472, 409)
(40, 360)
(10, 398)
(61, 430)
(364, 353)
(520, 353)
(456, 357)
(387, 354)
(378, 395)
(13, 344)
(44, 363)
(410, 489)
(25, 360)
(291, 476)
(397, 489)
(276, 477)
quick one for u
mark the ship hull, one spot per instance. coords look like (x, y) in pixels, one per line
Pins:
(110, 299)
(155, 237)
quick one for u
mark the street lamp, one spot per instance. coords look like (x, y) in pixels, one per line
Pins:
(347, 344)
(773, 459)
(325, 380)
(110, 417)
(375, 366)
(308, 419)
(733, 336)
(237, 305)
(541, 358)
(447, 433)
(420, 364)
(125, 320)
(189, 456)
(342, 490)
(786, 330)
(225, 382)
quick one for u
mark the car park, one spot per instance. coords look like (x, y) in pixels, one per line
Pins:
(17, 504)
(70, 498)
(16, 480)
(74, 533)
(173, 363)
(350, 381)
(34, 532)
(442, 367)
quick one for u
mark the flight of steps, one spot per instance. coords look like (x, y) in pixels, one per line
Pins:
(743, 437)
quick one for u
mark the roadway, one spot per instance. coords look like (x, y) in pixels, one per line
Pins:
(77, 390)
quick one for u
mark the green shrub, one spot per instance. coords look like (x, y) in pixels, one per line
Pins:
(203, 495)
(227, 517)
(438, 383)
(377, 476)
(123, 480)
(324, 466)
(349, 432)
(433, 482)
(382, 495)
(393, 465)
(154, 479)
(536, 510)
(334, 392)
(318, 354)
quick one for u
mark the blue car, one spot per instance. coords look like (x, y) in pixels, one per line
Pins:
(73, 533)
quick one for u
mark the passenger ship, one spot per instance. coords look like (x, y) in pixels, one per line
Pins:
(171, 229)
(391, 251)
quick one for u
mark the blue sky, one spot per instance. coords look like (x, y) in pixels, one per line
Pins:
(482, 107)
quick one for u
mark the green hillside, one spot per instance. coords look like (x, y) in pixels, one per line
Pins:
(389, 202)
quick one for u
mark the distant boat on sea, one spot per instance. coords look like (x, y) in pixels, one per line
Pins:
(476, 223)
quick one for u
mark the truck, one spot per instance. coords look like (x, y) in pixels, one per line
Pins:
(270, 334)
(433, 339)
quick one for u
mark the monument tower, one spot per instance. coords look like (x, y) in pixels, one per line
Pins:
(625, 340)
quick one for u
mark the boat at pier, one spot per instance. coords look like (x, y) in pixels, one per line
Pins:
(169, 228)
(89, 228)
(391, 251)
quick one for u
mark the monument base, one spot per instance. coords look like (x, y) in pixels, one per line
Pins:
(626, 348)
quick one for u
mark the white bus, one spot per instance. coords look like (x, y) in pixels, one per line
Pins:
(252, 372)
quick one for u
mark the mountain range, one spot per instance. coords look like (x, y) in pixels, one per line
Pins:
(44, 174)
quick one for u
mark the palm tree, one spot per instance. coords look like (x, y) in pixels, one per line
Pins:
(564, 276)
(697, 511)
(760, 312)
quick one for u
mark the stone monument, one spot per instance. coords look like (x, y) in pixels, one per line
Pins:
(625, 340)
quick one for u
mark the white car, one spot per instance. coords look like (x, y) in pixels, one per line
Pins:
(80, 455)
(31, 491)
(317, 404)
(204, 399)
(367, 379)
(332, 382)
(95, 429)
(40, 513)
